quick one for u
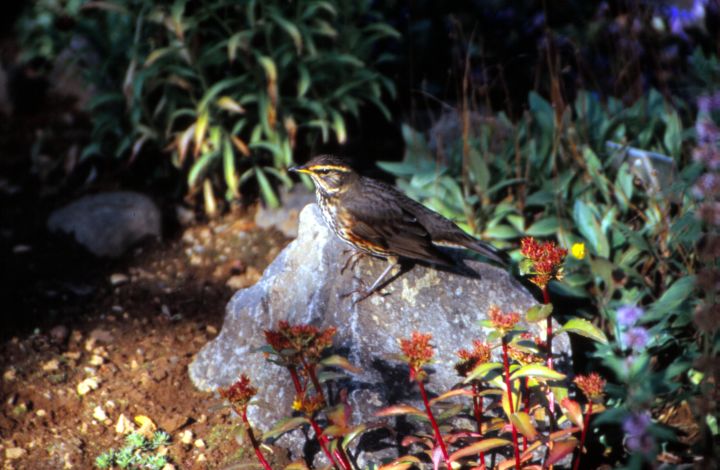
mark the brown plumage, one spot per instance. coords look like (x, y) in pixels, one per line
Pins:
(377, 219)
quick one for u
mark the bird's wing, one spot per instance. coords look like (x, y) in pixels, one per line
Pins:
(381, 221)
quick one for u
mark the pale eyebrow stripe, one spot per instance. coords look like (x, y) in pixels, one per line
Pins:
(329, 167)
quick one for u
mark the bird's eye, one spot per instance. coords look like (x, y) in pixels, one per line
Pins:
(323, 171)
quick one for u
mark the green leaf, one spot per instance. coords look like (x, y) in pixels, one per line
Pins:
(266, 189)
(544, 227)
(340, 361)
(589, 226)
(216, 89)
(538, 312)
(200, 166)
(671, 299)
(523, 423)
(537, 371)
(289, 28)
(284, 426)
(230, 170)
(481, 371)
(584, 328)
(479, 446)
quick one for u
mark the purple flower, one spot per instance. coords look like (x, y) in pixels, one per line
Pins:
(635, 427)
(636, 338)
(628, 315)
(707, 185)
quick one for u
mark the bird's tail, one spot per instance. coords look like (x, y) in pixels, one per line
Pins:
(488, 251)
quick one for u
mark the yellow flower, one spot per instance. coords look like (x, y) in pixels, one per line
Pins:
(578, 250)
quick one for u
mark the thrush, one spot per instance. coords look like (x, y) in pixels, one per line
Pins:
(375, 218)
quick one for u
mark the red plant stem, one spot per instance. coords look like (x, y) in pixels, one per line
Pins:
(549, 338)
(506, 364)
(310, 368)
(254, 441)
(586, 424)
(526, 407)
(296, 381)
(436, 429)
(322, 440)
(478, 410)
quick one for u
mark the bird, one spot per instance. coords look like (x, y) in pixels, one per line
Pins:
(375, 218)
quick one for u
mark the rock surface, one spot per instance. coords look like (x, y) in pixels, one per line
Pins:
(107, 224)
(285, 218)
(304, 285)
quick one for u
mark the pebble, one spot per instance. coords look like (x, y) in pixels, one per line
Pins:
(59, 333)
(10, 374)
(14, 453)
(186, 437)
(201, 458)
(41, 413)
(99, 414)
(96, 360)
(168, 466)
(51, 365)
(118, 279)
(211, 330)
(199, 443)
(87, 385)
(124, 425)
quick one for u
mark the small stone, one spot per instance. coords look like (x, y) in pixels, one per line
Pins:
(124, 425)
(201, 458)
(134, 364)
(10, 374)
(72, 355)
(96, 360)
(41, 413)
(211, 330)
(99, 414)
(51, 365)
(186, 437)
(87, 385)
(14, 453)
(101, 336)
(118, 279)
(199, 443)
(59, 333)
(168, 466)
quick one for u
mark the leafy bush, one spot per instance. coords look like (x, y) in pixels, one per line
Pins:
(138, 452)
(615, 177)
(227, 86)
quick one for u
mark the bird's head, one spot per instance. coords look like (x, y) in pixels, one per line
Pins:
(330, 174)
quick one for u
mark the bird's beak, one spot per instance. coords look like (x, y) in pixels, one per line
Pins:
(299, 169)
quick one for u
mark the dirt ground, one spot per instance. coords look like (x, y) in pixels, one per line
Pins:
(131, 328)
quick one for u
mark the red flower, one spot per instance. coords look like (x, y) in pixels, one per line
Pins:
(503, 321)
(545, 259)
(417, 351)
(292, 341)
(239, 394)
(469, 360)
(591, 385)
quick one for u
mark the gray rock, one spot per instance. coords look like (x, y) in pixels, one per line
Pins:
(304, 285)
(285, 218)
(107, 224)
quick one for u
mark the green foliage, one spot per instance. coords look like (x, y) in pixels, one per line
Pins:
(137, 453)
(612, 176)
(227, 87)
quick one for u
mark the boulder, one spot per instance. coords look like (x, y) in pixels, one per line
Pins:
(304, 285)
(107, 224)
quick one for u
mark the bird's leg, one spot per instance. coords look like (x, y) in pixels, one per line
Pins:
(351, 261)
(364, 294)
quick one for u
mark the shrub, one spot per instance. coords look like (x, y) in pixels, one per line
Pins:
(227, 87)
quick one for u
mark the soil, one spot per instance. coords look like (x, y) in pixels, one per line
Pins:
(133, 326)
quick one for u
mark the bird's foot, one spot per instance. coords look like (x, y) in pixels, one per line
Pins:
(351, 261)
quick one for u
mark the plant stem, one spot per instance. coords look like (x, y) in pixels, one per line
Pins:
(548, 339)
(478, 410)
(526, 407)
(436, 429)
(322, 440)
(254, 441)
(296, 381)
(506, 365)
(310, 368)
(586, 424)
